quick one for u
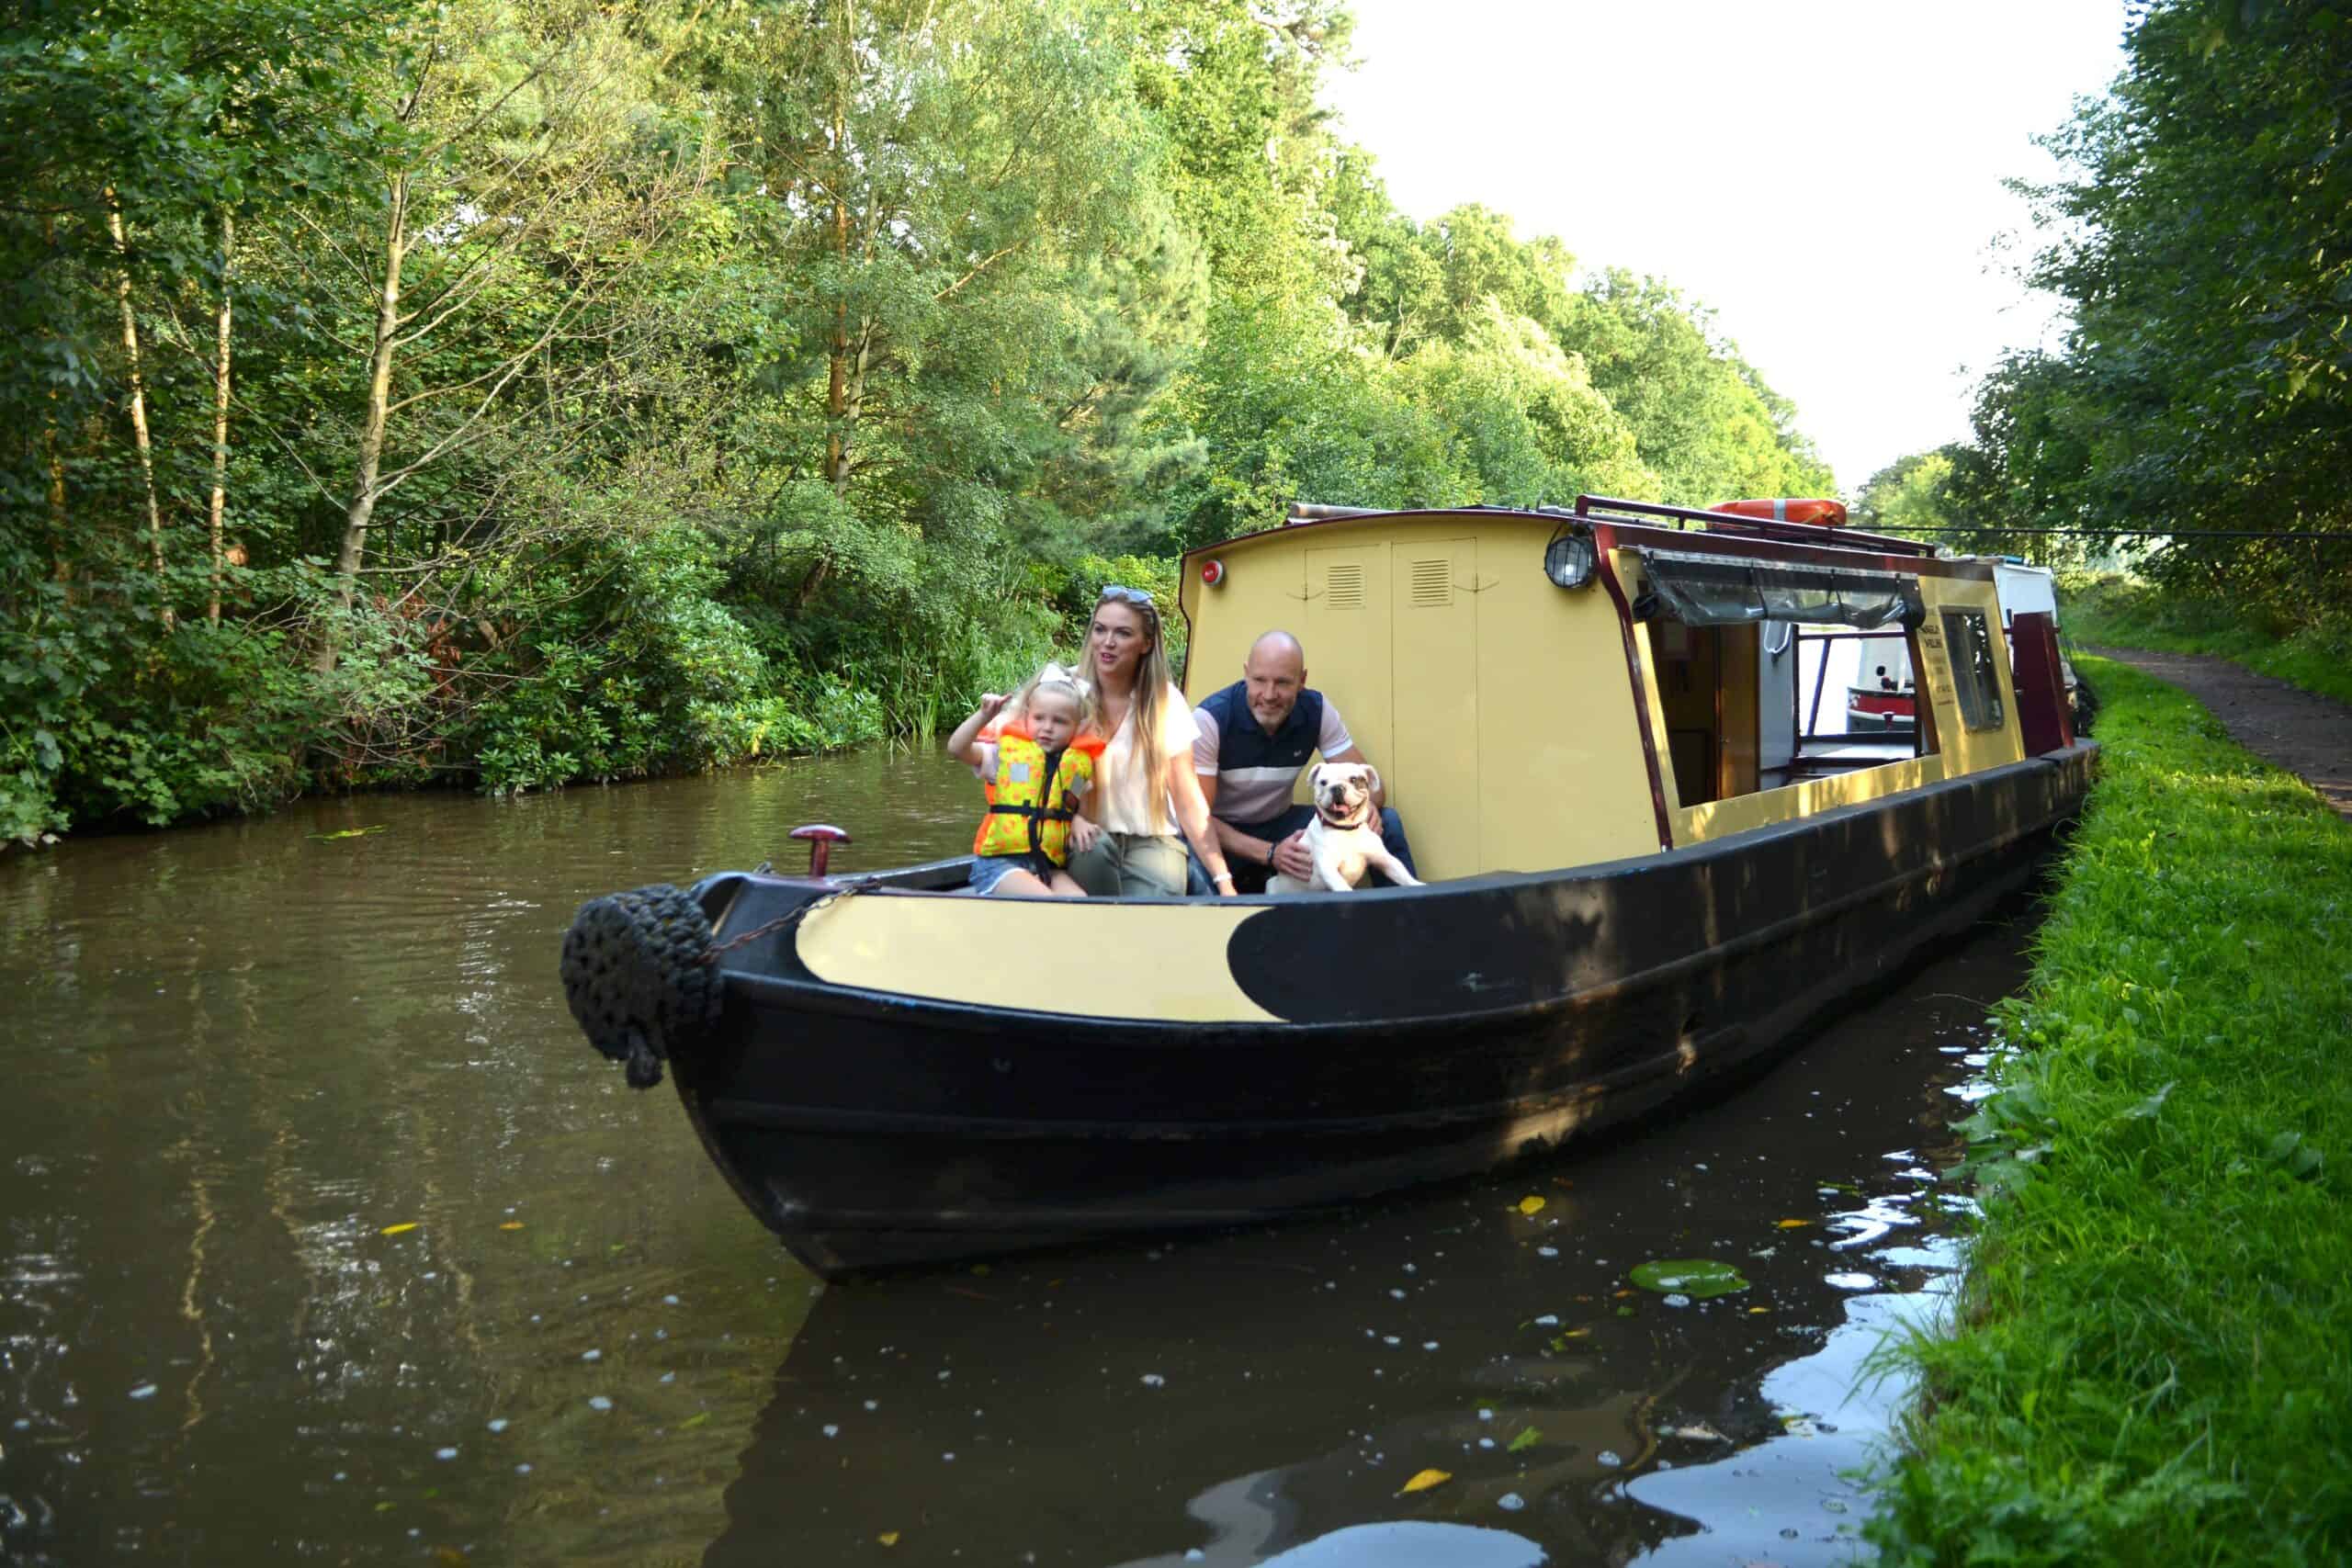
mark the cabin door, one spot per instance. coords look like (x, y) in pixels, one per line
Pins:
(1346, 632)
(1432, 771)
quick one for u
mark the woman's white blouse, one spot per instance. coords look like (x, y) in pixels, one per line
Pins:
(1122, 805)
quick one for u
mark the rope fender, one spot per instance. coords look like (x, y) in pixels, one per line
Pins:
(638, 974)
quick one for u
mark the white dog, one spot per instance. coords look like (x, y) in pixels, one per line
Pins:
(1344, 839)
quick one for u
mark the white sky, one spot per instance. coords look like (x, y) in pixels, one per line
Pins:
(1825, 174)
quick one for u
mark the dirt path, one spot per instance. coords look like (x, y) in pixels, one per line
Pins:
(2308, 736)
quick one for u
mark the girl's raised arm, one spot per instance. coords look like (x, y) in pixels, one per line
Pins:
(965, 744)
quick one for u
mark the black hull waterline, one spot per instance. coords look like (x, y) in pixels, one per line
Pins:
(1419, 1034)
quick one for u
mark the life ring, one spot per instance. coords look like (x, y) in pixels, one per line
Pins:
(1827, 514)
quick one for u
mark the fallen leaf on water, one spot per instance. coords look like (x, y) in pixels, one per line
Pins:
(888, 1538)
(449, 1557)
(350, 833)
(1697, 1278)
(1424, 1480)
(1755, 1311)
(512, 1226)
(1697, 1431)
(1794, 1224)
(1530, 1204)
(400, 1229)
(691, 1422)
(1528, 1437)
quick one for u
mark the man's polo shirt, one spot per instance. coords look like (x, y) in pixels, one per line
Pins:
(1256, 772)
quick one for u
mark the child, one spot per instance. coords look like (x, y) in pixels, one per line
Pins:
(1036, 773)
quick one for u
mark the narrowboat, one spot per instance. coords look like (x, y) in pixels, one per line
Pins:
(1636, 878)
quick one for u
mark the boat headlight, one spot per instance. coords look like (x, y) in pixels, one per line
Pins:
(1569, 558)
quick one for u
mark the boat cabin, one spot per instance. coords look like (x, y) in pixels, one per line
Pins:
(1558, 688)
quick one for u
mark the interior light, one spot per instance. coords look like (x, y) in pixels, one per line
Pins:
(1569, 558)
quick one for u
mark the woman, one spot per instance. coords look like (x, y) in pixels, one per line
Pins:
(1145, 784)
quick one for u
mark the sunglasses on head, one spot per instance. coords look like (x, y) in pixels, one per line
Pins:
(1135, 596)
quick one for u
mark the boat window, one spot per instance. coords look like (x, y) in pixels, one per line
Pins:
(1969, 640)
(1732, 590)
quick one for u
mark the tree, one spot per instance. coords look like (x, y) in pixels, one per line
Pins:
(2199, 237)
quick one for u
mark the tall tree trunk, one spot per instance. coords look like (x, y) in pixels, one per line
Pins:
(362, 509)
(53, 449)
(60, 545)
(837, 357)
(837, 442)
(220, 410)
(138, 393)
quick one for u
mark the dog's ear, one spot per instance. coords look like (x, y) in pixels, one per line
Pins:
(1374, 773)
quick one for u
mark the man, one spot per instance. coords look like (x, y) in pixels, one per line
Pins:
(1255, 736)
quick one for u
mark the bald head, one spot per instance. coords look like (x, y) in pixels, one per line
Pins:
(1277, 645)
(1274, 675)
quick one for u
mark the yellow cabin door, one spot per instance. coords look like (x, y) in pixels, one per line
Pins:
(1433, 781)
(1346, 633)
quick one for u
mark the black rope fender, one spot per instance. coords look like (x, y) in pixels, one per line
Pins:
(641, 975)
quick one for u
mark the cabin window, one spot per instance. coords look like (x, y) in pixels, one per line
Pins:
(1968, 638)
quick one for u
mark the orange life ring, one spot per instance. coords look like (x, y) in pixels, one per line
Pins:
(1829, 513)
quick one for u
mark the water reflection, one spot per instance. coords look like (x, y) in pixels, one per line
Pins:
(1263, 1395)
(322, 1233)
(319, 1228)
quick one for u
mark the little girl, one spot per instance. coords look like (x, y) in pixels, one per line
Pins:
(1036, 772)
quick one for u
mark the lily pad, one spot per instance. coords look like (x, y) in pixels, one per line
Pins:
(1697, 1278)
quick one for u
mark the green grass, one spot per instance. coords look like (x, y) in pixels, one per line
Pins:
(2121, 612)
(2152, 1361)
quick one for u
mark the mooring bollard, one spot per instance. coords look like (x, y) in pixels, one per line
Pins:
(822, 837)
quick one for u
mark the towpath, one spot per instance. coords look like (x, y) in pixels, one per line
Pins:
(2307, 735)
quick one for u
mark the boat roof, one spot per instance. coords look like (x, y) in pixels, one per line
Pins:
(1653, 525)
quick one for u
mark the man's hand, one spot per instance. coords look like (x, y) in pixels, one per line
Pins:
(1290, 858)
(1082, 835)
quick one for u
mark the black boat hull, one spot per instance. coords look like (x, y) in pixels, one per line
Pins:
(1415, 1034)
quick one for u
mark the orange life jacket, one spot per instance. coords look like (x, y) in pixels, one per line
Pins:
(1035, 795)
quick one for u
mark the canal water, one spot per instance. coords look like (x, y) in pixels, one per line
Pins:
(324, 1234)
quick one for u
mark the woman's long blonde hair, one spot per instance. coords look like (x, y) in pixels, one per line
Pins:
(1152, 681)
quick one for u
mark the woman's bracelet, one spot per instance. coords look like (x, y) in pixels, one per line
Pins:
(1224, 876)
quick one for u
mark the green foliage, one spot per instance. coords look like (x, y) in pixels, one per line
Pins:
(2200, 236)
(760, 378)
(2313, 649)
(2150, 1360)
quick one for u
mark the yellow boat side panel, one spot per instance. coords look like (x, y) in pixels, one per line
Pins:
(1966, 750)
(1496, 706)
(1739, 813)
(954, 948)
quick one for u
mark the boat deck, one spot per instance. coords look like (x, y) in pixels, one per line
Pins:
(1840, 757)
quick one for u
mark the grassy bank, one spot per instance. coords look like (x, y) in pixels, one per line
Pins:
(2153, 1360)
(2122, 611)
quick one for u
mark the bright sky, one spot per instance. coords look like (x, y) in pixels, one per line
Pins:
(1825, 174)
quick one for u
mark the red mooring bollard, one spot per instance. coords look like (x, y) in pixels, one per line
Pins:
(822, 837)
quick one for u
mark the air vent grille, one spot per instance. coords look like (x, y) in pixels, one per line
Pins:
(1432, 583)
(1344, 587)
